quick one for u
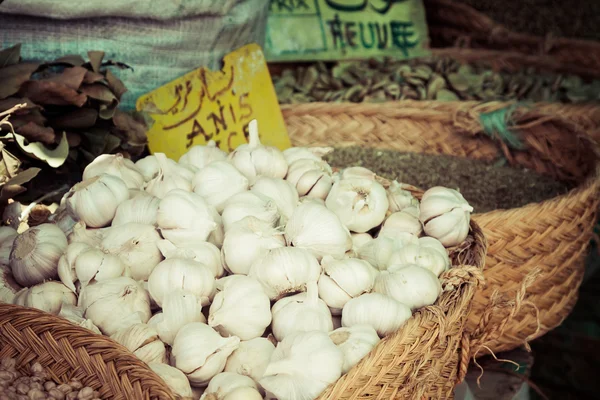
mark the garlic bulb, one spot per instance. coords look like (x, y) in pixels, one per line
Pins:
(251, 358)
(179, 308)
(360, 239)
(7, 238)
(224, 384)
(201, 353)
(445, 215)
(217, 182)
(202, 252)
(136, 245)
(115, 165)
(255, 159)
(406, 220)
(400, 198)
(302, 366)
(184, 274)
(184, 218)
(357, 172)
(169, 178)
(82, 234)
(95, 200)
(35, 253)
(429, 253)
(200, 156)
(316, 228)
(301, 312)
(8, 286)
(241, 308)
(48, 296)
(75, 315)
(217, 236)
(150, 167)
(355, 342)
(378, 251)
(246, 241)
(283, 193)
(142, 340)
(361, 204)
(411, 285)
(343, 280)
(174, 378)
(310, 177)
(285, 270)
(249, 204)
(115, 304)
(301, 153)
(381, 312)
(141, 209)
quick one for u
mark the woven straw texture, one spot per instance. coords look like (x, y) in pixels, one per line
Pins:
(534, 264)
(71, 352)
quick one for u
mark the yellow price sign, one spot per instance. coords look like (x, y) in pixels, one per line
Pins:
(206, 105)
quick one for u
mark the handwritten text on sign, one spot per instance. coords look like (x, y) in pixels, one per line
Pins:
(209, 105)
(342, 29)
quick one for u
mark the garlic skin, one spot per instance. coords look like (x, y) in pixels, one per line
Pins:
(142, 340)
(301, 312)
(217, 236)
(342, 280)
(179, 308)
(400, 198)
(8, 286)
(170, 177)
(355, 342)
(310, 177)
(302, 366)
(241, 308)
(149, 167)
(201, 353)
(92, 237)
(115, 304)
(430, 254)
(183, 274)
(199, 156)
(315, 228)
(246, 241)
(282, 192)
(300, 153)
(224, 383)
(219, 181)
(115, 165)
(285, 270)
(361, 204)
(357, 173)
(378, 251)
(95, 200)
(406, 220)
(251, 358)
(47, 296)
(174, 378)
(202, 252)
(243, 393)
(75, 315)
(411, 285)
(445, 215)
(35, 254)
(136, 245)
(249, 204)
(382, 313)
(141, 209)
(7, 238)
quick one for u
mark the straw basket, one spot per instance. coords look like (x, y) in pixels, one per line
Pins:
(534, 264)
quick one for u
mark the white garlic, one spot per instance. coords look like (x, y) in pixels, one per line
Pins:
(285, 270)
(184, 218)
(283, 193)
(302, 366)
(7, 238)
(174, 378)
(82, 234)
(300, 153)
(445, 215)
(115, 165)
(243, 393)
(378, 251)
(223, 384)
(183, 274)
(202, 252)
(343, 280)
(255, 159)
(314, 227)
(301, 312)
(246, 241)
(361, 204)
(48, 296)
(411, 285)
(217, 236)
(199, 156)
(201, 353)
(310, 177)
(357, 172)
(35, 254)
(95, 200)
(406, 220)
(240, 308)
(251, 358)
(115, 304)
(429, 253)
(142, 340)
(400, 198)
(169, 177)
(307, 199)
(379, 311)
(8, 286)
(150, 167)
(360, 239)
(136, 245)
(217, 182)
(249, 204)
(355, 342)
(74, 314)
(141, 209)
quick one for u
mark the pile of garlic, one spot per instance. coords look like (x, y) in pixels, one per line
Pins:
(250, 275)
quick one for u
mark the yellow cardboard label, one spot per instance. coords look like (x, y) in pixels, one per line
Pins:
(208, 105)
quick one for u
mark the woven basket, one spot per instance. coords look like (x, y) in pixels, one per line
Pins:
(534, 264)
(70, 352)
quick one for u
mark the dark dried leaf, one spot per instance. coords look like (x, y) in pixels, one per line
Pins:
(13, 187)
(93, 77)
(48, 92)
(13, 76)
(94, 142)
(115, 84)
(70, 77)
(98, 92)
(131, 128)
(37, 133)
(10, 102)
(9, 166)
(81, 118)
(111, 144)
(107, 111)
(71, 59)
(10, 56)
(74, 139)
(96, 59)
(25, 115)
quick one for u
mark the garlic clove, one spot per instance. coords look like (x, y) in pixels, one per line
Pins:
(445, 215)
(115, 165)
(379, 311)
(150, 167)
(179, 309)
(7, 238)
(66, 264)
(48, 296)
(359, 239)
(217, 182)
(251, 358)
(411, 285)
(357, 172)
(199, 156)
(430, 254)
(174, 378)
(378, 251)
(142, 340)
(355, 342)
(81, 234)
(75, 315)
(243, 393)
(400, 198)
(282, 192)
(170, 177)
(141, 209)
(406, 220)
(311, 177)
(202, 252)
(225, 383)
(249, 204)
(8, 286)
(94, 265)
(299, 153)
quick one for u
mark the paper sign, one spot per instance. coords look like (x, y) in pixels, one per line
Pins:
(208, 105)
(345, 29)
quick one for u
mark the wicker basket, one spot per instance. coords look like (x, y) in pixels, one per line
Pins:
(534, 264)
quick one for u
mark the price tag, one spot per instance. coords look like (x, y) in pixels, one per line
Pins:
(208, 105)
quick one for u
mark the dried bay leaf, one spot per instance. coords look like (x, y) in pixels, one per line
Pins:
(10, 56)
(96, 58)
(98, 91)
(13, 186)
(70, 77)
(9, 166)
(48, 92)
(115, 84)
(12, 77)
(81, 118)
(93, 77)
(34, 132)
(53, 157)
